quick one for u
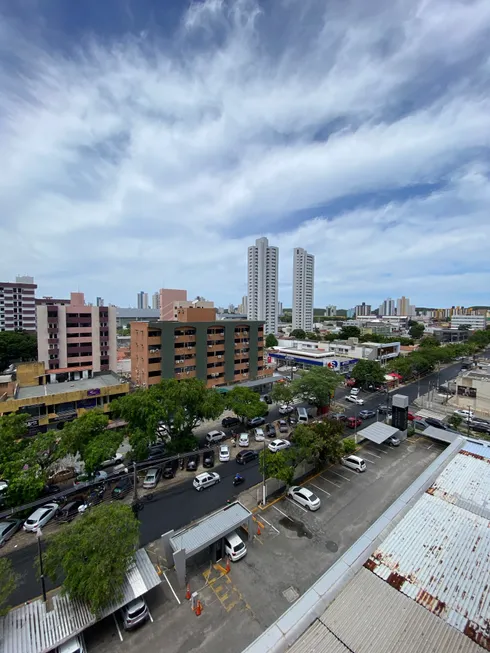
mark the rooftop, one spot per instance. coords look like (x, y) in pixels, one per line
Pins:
(101, 381)
(135, 313)
(417, 580)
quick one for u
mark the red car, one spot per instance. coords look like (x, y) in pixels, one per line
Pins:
(352, 422)
(411, 417)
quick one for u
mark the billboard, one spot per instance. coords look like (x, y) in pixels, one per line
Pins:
(464, 391)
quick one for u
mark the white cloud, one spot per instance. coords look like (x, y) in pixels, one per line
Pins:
(138, 164)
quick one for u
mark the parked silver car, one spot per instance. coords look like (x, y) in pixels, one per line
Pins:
(134, 613)
(152, 477)
(8, 528)
(41, 516)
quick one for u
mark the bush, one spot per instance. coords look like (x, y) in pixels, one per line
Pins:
(349, 446)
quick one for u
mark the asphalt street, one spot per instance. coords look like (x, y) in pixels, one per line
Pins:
(181, 504)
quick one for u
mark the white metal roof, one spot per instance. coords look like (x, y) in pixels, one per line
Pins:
(39, 627)
(210, 528)
(378, 432)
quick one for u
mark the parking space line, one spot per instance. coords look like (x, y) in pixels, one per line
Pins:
(369, 461)
(149, 613)
(268, 522)
(336, 474)
(117, 626)
(321, 489)
(283, 513)
(351, 471)
(328, 481)
(373, 454)
(173, 591)
(296, 504)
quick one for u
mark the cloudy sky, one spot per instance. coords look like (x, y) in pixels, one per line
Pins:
(147, 143)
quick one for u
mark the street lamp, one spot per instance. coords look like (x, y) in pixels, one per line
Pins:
(264, 491)
(41, 569)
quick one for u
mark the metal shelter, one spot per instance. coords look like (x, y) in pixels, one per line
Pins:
(440, 434)
(206, 533)
(377, 432)
(39, 627)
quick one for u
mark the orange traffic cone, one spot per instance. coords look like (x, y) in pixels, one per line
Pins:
(228, 565)
(258, 529)
(198, 608)
(188, 592)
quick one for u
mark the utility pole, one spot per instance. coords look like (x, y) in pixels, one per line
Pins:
(41, 569)
(135, 486)
(264, 491)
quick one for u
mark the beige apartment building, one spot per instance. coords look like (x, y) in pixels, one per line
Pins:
(197, 346)
(76, 337)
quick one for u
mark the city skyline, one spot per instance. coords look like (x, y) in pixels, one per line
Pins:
(370, 155)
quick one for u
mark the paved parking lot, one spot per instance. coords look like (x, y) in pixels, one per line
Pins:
(292, 547)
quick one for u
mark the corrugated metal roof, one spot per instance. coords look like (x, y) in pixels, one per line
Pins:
(440, 434)
(377, 432)
(369, 616)
(39, 627)
(439, 554)
(478, 448)
(211, 528)
(318, 639)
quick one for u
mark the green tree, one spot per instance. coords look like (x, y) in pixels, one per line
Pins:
(26, 482)
(368, 373)
(279, 465)
(8, 582)
(93, 553)
(416, 330)
(88, 436)
(174, 407)
(311, 335)
(317, 386)
(319, 442)
(245, 403)
(12, 429)
(271, 341)
(16, 346)
(455, 421)
(300, 334)
(282, 393)
(429, 341)
(349, 331)
(349, 446)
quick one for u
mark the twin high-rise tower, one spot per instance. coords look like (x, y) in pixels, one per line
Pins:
(263, 264)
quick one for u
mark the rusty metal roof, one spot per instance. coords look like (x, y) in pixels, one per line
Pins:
(439, 554)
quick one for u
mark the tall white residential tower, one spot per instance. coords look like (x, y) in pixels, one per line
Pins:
(263, 262)
(303, 283)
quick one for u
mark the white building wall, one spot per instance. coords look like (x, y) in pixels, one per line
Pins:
(473, 321)
(262, 282)
(303, 289)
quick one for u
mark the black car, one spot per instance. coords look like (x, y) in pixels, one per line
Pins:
(432, 421)
(255, 421)
(340, 417)
(192, 462)
(228, 422)
(270, 430)
(384, 409)
(480, 428)
(70, 510)
(170, 468)
(246, 456)
(267, 399)
(208, 459)
(122, 488)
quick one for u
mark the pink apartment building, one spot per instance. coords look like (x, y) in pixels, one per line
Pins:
(77, 337)
(168, 298)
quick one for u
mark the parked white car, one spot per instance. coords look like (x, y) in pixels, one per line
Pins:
(243, 440)
(215, 436)
(205, 480)
(41, 516)
(355, 400)
(224, 453)
(285, 409)
(259, 435)
(464, 413)
(278, 445)
(354, 391)
(304, 497)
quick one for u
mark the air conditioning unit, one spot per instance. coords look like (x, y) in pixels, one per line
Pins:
(220, 356)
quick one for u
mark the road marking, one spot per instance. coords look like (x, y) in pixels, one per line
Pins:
(372, 454)
(117, 626)
(336, 474)
(328, 481)
(173, 591)
(321, 489)
(296, 504)
(268, 522)
(369, 461)
(352, 471)
(430, 447)
(149, 613)
(283, 513)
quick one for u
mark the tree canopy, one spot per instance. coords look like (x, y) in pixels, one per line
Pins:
(349, 331)
(367, 373)
(171, 406)
(8, 581)
(245, 403)
(271, 341)
(279, 465)
(320, 441)
(317, 386)
(416, 330)
(16, 346)
(300, 334)
(429, 341)
(93, 553)
(282, 393)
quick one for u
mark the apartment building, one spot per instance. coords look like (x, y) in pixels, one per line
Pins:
(168, 299)
(142, 299)
(18, 304)
(51, 301)
(50, 400)
(362, 310)
(197, 346)
(262, 303)
(77, 336)
(303, 288)
(387, 307)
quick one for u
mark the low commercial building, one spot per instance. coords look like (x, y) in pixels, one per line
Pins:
(198, 346)
(451, 335)
(51, 400)
(472, 321)
(473, 391)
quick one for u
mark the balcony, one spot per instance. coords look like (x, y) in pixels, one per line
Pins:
(216, 359)
(154, 367)
(213, 348)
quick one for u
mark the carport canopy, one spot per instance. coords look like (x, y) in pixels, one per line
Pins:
(377, 432)
(193, 539)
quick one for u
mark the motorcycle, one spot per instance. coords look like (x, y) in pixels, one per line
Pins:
(238, 480)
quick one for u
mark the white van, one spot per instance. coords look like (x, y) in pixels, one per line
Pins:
(234, 547)
(302, 415)
(354, 462)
